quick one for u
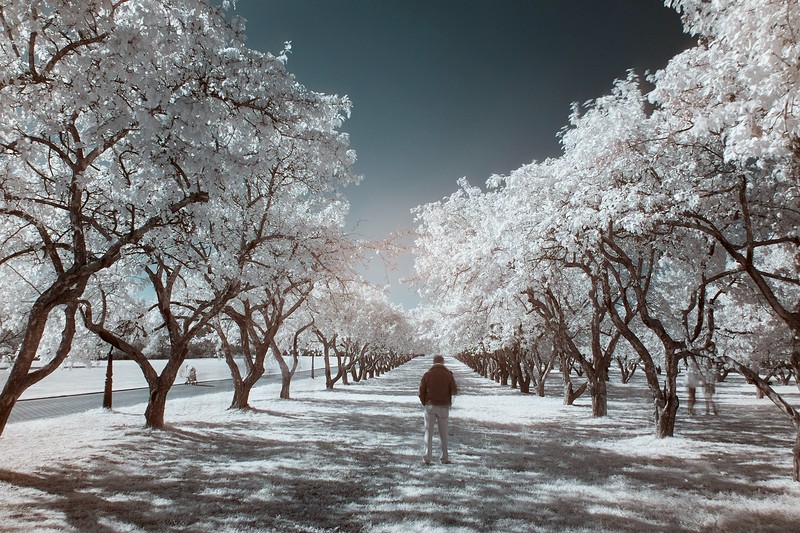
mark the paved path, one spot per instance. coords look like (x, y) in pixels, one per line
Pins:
(38, 408)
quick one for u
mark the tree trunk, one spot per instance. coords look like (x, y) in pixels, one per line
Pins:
(794, 361)
(666, 415)
(599, 393)
(569, 395)
(109, 385)
(242, 388)
(241, 396)
(525, 385)
(159, 389)
(326, 357)
(524, 377)
(626, 369)
(331, 380)
(667, 411)
(20, 377)
(286, 381)
(540, 388)
(286, 373)
(156, 406)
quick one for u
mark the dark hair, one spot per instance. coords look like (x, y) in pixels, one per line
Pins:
(438, 359)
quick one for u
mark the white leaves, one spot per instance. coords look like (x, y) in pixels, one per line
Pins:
(130, 108)
(636, 167)
(746, 78)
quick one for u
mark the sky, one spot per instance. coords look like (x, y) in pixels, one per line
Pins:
(444, 89)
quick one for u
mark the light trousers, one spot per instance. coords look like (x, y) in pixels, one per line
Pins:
(436, 414)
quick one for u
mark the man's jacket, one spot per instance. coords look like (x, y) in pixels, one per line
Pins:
(437, 386)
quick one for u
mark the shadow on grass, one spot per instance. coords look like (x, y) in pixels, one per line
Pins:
(355, 467)
(153, 486)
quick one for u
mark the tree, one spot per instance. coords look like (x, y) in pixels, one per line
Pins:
(355, 322)
(732, 114)
(310, 249)
(665, 202)
(732, 123)
(141, 109)
(258, 316)
(183, 313)
(97, 150)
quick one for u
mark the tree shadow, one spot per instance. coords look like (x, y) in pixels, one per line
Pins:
(351, 463)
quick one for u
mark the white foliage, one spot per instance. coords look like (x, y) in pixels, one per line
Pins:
(714, 146)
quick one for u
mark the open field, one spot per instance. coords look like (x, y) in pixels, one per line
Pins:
(69, 380)
(350, 460)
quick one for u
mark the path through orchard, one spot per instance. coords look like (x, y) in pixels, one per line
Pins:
(350, 460)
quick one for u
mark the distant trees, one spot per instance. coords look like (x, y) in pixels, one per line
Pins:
(361, 333)
(667, 229)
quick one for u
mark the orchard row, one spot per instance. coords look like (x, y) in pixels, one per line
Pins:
(666, 234)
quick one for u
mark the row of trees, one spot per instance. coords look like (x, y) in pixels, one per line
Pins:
(161, 184)
(667, 229)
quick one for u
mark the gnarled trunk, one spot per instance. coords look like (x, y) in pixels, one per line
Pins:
(599, 393)
(156, 406)
(242, 388)
(20, 377)
(571, 395)
(666, 413)
(159, 389)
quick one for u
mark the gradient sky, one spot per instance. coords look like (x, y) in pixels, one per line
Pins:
(448, 88)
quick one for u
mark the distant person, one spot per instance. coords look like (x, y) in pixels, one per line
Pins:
(436, 390)
(191, 377)
(710, 377)
(693, 380)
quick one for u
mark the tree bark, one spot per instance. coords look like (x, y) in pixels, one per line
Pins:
(242, 388)
(525, 385)
(326, 355)
(286, 372)
(571, 395)
(156, 407)
(666, 414)
(109, 385)
(540, 387)
(20, 377)
(159, 389)
(599, 392)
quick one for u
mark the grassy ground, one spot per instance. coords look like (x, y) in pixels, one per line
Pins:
(350, 460)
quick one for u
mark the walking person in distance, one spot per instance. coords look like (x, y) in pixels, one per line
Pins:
(710, 378)
(436, 390)
(693, 380)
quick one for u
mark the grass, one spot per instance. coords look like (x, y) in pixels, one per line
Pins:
(350, 460)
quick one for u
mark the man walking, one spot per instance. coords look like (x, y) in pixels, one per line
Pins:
(436, 390)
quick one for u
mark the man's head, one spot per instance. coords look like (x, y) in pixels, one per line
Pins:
(438, 359)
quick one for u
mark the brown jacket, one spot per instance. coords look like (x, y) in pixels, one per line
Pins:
(437, 386)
